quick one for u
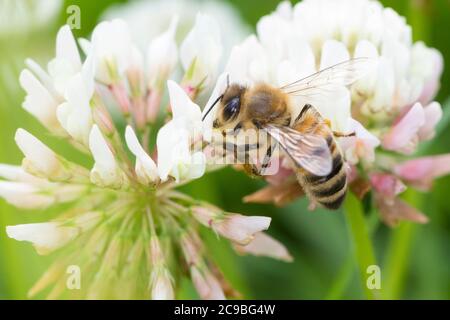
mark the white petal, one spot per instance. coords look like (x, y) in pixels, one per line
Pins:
(88, 73)
(365, 48)
(111, 42)
(66, 47)
(162, 55)
(182, 106)
(384, 90)
(39, 102)
(337, 109)
(23, 195)
(265, 245)
(242, 229)
(202, 45)
(166, 142)
(197, 166)
(174, 155)
(38, 155)
(105, 171)
(43, 77)
(46, 237)
(75, 115)
(16, 173)
(85, 45)
(333, 52)
(363, 134)
(100, 149)
(145, 166)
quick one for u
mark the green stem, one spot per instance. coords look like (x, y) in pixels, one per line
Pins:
(398, 253)
(397, 260)
(363, 248)
(341, 283)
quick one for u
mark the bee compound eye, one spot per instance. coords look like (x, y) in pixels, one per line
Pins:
(231, 108)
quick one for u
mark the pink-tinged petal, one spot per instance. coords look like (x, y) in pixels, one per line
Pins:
(153, 105)
(207, 286)
(422, 171)
(431, 87)
(361, 146)
(265, 245)
(241, 229)
(352, 173)
(403, 136)
(386, 185)
(397, 210)
(236, 227)
(121, 95)
(433, 114)
(191, 247)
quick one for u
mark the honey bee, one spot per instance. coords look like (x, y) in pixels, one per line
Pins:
(307, 138)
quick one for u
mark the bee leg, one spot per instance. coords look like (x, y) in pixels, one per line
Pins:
(312, 205)
(343, 135)
(251, 170)
(338, 134)
(266, 160)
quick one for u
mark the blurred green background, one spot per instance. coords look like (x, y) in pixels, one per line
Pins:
(415, 259)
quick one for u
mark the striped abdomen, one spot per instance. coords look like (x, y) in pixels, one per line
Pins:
(329, 191)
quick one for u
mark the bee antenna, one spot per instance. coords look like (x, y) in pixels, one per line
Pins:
(228, 80)
(210, 108)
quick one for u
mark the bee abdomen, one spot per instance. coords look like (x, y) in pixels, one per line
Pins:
(329, 191)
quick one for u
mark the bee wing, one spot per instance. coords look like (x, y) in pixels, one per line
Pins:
(308, 151)
(325, 82)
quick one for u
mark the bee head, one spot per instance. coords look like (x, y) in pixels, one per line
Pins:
(249, 108)
(230, 107)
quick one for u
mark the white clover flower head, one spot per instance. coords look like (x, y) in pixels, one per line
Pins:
(389, 108)
(121, 214)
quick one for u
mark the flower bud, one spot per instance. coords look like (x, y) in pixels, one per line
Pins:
(208, 287)
(161, 284)
(238, 228)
